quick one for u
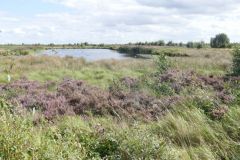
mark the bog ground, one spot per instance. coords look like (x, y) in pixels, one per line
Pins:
(180, 104)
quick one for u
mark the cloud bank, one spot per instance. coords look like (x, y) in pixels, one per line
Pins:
(122, 21)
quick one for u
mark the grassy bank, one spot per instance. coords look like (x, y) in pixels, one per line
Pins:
(27, 49)
(45, 68)
(155, 50)
(174, 107)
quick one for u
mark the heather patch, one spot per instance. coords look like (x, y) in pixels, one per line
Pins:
(124, 98)
(76, 97)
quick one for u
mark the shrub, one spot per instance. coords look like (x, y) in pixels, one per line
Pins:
(236, 62)
(106, 147)
(220, 41)
(3, 105)
(160, 88)
(23, 52)
(133, 51)
(162, 63)
(163, 89)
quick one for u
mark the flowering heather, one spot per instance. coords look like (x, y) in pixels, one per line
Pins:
(76, 97)
(122, 99)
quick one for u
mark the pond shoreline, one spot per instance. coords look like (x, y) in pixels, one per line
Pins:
(88, 54)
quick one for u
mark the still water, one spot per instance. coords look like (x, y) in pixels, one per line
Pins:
(88, 54)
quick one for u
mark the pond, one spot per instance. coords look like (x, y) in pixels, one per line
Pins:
(88, 54)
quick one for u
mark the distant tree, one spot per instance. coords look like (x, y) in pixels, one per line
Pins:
(190, 45)
(195, 44)
(220, 41)
(152, 43)
(161, 43)
(170, 43)
(101, 45)
(181, 44)
(200, 45)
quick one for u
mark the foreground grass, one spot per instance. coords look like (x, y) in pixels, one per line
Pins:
(182, 134)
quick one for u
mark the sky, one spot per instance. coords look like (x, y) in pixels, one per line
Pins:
(117, 21)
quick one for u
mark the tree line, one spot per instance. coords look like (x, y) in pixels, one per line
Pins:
(219, 41)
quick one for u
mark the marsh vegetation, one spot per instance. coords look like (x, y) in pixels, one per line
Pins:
(183, 103)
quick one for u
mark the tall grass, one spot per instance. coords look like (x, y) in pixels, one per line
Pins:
(185, 133)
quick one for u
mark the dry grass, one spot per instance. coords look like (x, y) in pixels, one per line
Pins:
(45, 68)
(205, 61)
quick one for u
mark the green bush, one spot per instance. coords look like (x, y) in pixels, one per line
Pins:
(24, 52)
(171, 52)
(162, 63)
(163, 89)
(18, 52)
(159, 89)
(236, 62)
(133, 51)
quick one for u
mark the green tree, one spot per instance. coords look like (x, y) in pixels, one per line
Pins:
(190, 45)
(170, 43)
(161, 43)
(220, 41)
(195, 45)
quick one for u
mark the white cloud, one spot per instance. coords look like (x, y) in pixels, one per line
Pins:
(121, 21)
(193, 6)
